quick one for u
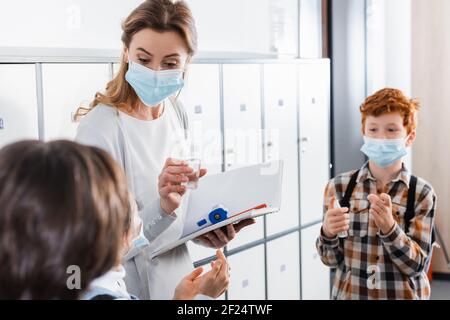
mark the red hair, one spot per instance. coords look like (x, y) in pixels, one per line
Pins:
(390, 100)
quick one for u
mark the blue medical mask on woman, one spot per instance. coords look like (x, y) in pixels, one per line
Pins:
(151, 86)
(384, 152)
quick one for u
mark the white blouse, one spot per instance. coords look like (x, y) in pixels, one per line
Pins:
(141, 148)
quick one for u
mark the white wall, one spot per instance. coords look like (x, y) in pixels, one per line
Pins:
(389, 33)
(256, 26)
(63, 23)
(430, 81)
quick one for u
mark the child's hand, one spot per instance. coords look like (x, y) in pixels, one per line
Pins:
(336, 220)
(381, 211)
(212, 284)
(187, 288)
(215, 282)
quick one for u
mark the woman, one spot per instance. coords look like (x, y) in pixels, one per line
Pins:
(139, 122)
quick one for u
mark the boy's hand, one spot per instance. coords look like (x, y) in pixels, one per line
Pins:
(213, 283)
(381, 210)
(336, 220)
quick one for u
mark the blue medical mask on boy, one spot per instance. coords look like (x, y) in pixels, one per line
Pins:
(151, 86)
(384, 152)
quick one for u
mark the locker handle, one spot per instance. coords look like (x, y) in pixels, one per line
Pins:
(198, 109)
(304, 140)
(229, 151)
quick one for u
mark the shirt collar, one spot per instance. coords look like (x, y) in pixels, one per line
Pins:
(404, 175)
(112, 281)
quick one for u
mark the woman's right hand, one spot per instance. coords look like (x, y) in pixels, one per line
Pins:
(212, 284)
(169, 185)
(174, 173)
(336, 220)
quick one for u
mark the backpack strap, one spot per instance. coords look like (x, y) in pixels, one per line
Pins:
(345, 201)
(410, 206)
(410, 212)
(103, 297)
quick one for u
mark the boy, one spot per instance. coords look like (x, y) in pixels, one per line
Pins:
(378, 222)
(111, 285)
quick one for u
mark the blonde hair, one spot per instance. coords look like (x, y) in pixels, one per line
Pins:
(158, 15)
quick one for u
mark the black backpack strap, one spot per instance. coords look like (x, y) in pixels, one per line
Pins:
(410, 212)
(345, 201)
(103, 297)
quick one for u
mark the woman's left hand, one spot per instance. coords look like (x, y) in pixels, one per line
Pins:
(220, 237)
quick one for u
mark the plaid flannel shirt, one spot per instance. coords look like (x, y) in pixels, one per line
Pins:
(370, 265)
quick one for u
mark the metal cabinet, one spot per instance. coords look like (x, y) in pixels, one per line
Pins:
(242, 122)
(314, 90)
(18, 103)
(281, 139)
(283, 268)
(66, 87)
(201, 99)
(247, 275)
(315, 275)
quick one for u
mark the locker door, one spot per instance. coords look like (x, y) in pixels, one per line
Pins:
(242, 118)
(280, 94)
(242, 115)
(315, 275)
(314, 138)
(67, 87)
(18, 103)
(283, 268)
(201, 98)
(198, 252)
(247, 275)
